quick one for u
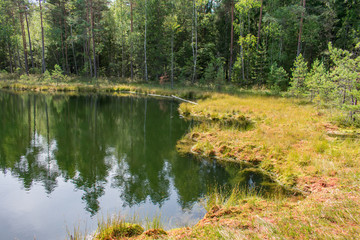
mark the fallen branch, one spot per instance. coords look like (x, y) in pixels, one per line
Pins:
(184, 100)
(156, 95)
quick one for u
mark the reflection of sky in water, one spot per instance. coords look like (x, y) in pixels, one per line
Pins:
(25, 214)
(49, 183)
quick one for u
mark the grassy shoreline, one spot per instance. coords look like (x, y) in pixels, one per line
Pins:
(292, 140)
(295, 142)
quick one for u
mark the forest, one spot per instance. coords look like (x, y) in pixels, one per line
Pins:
(199, 40)
(309, 48)
(274, 88)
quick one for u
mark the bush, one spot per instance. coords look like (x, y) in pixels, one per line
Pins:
(24, 77)
(214, 72)
(278, 79)
(57, 74)
(46, 76)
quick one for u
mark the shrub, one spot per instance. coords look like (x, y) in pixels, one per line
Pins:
(57, 74)
(278, 79)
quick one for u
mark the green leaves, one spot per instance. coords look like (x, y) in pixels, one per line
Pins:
(243, 6)
(278, 78)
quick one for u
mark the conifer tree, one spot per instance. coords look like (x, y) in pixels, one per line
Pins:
(297, 82)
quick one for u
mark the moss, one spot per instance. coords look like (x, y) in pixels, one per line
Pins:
(155, 233)
(120, 230)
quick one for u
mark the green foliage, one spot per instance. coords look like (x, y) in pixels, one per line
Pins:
(297, 82)
(46, 76)
(320, 88)
(214, 72)
(346, 75)
(244, 6)
(278, 79)
(57, 74)
(337, 87)
(119, 31)
(24, 77)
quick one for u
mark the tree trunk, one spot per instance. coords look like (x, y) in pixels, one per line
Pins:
(18, 55)
(88, 39)
(196, 42)
(259, 28)
(172, 59)
(131, 30)
(42, 40)
(122, 43)
(66, 44)
(61, 20)
(231, 40)
(146, 71)
(10, 55)
(194, 35)
(301, 28)
(192, 44)
(31, 53)
(73, 50)
(122, 58)
(93, 36)
(89, 57)
(23, 37)
(242, 51)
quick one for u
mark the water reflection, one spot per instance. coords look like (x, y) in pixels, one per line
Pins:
(91, 140)
(100, 153)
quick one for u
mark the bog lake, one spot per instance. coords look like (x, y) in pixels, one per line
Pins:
(68, 160)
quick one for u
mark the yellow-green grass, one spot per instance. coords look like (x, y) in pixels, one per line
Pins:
(116, 227)
(287, 139)
(299, 145)
(330, 214)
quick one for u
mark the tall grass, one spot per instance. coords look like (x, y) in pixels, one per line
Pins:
(116, 227)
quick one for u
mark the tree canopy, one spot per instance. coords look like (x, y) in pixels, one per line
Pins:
(182, 40)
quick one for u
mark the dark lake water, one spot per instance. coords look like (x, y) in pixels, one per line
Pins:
(65, 161)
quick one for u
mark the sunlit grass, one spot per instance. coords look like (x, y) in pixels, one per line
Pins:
(114, 227)
(288, 138)
(118, 226)
(295, 142)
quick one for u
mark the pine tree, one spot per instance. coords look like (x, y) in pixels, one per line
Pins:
(297, 82)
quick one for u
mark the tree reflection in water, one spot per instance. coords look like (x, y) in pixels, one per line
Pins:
(94, 140)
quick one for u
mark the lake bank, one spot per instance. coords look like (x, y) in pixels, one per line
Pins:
(295, 143)
(292, 141)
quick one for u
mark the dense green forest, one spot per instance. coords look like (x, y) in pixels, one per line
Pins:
(297, 45)
(310, 48)
(201, 40)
